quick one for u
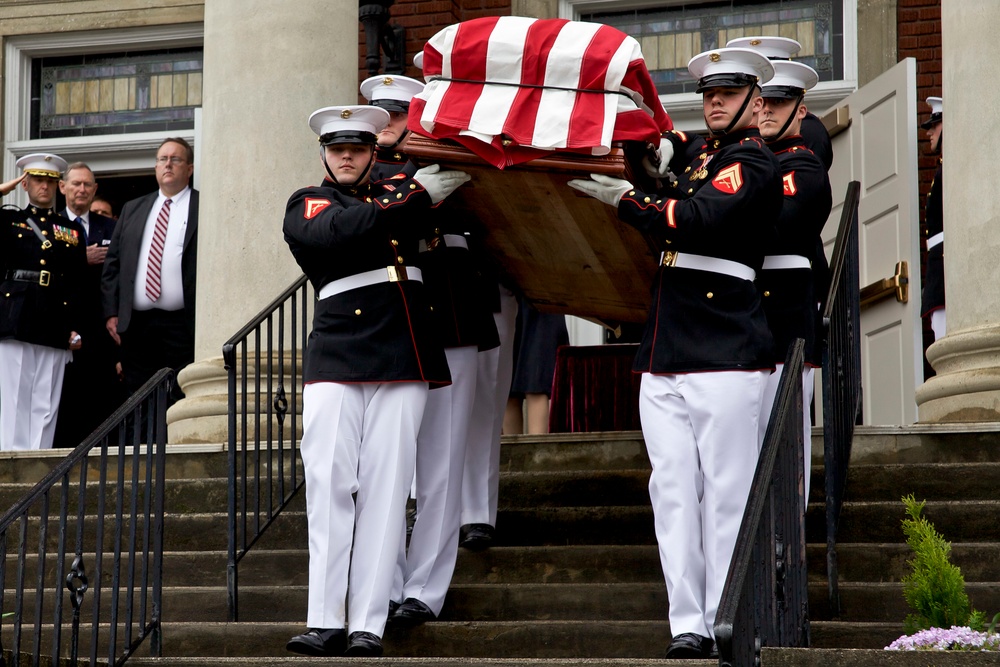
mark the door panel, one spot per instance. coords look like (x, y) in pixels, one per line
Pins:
(879, 149)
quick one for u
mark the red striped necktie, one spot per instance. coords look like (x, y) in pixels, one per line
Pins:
(156, 252)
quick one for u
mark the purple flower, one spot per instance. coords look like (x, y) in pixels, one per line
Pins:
(955, 638)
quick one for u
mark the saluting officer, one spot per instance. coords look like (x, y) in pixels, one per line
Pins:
(464, 326)
(786, 281)
(43, 260)
(707, 351)
(932, 297)
(370, 361)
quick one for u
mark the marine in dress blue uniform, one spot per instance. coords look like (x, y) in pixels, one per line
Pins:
(932, 302)
(707, 350)
(464, 326)
(42, 265)
(371, 358)
(815, 137)
(786, 280)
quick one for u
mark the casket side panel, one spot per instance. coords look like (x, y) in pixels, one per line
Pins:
(566, 252)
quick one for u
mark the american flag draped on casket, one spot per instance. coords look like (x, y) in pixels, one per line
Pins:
(512, 89)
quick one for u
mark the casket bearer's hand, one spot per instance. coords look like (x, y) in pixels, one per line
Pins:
(608, 189)
(439, 184)
(660, 169)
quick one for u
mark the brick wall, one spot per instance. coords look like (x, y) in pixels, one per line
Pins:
(919, 37)
(423, 18)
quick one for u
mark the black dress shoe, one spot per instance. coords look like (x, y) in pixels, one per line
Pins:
(688, 645)
(364, 644)
(713, 652)
(411, 613)
(319, 642)
(393, 606)
(475, 536)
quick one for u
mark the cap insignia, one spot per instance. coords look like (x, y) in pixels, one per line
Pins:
(387, 81)
(755, 42)
(345, 114)
(715, 57)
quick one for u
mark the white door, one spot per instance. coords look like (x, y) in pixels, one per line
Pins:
(879, 149)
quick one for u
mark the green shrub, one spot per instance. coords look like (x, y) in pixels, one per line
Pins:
(935, 589)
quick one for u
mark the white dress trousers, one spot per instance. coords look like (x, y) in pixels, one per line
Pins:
(481, 480)
(939, 323)
(357, 438)
(770, 394)
(701, 436)
(31, 378)
(441, 444)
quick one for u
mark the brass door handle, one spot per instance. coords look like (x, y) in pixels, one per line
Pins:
(897, 285)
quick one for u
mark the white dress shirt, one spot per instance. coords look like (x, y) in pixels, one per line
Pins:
(171, 282)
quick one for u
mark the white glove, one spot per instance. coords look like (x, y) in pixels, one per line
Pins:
(607, 189)
(439, 184)
(666, 153)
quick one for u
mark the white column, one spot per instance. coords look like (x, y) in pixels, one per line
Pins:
(967, 385)
(268, 65)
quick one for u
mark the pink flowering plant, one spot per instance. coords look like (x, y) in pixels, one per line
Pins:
(943, 618)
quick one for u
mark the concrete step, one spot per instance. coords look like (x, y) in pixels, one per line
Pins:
(545, 639)
(424, 662)
(210, 494)
(182, 462)
(886, 562)
(881, 521)
(926, 481)
(921, 443)
(574, 488)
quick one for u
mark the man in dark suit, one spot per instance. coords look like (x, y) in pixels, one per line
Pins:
(148, 284)
(90, 387)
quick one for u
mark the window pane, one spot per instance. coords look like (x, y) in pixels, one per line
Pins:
(115, 93)
(670, 36)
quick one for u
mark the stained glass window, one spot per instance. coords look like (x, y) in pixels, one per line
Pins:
(671, 35)
(117, 93)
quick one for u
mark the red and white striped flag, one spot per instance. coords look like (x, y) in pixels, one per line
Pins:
(511, 89)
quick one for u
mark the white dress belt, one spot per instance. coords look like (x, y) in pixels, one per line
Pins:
(772, 262)
(450, 241)
(937, 239)
(389, 274)
(685, 260)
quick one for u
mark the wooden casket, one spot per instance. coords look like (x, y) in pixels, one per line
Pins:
(567, 252)
(578, 93)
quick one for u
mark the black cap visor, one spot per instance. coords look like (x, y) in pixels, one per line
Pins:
(930, 122)
(727, 80)
(392, 105)
(347, 137)
(782, 92)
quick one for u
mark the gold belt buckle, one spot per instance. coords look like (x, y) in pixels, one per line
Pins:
(43, 278)
(670, 258)
(396, 273)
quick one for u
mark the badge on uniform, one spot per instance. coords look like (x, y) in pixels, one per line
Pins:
(66, 234)
(314, 206)
(729, 180)
(788, 181)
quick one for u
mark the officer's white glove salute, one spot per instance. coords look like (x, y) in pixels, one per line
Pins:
(607, 189)
(439, 184)
(665, 153)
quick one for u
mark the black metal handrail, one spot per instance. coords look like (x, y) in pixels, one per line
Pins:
(115, 606)
(765, 600)
(842, 392)
(264, 475)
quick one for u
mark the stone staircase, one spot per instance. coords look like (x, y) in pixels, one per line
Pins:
(574, 578)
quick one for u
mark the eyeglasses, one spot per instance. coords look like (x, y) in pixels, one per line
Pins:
(172, 160)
